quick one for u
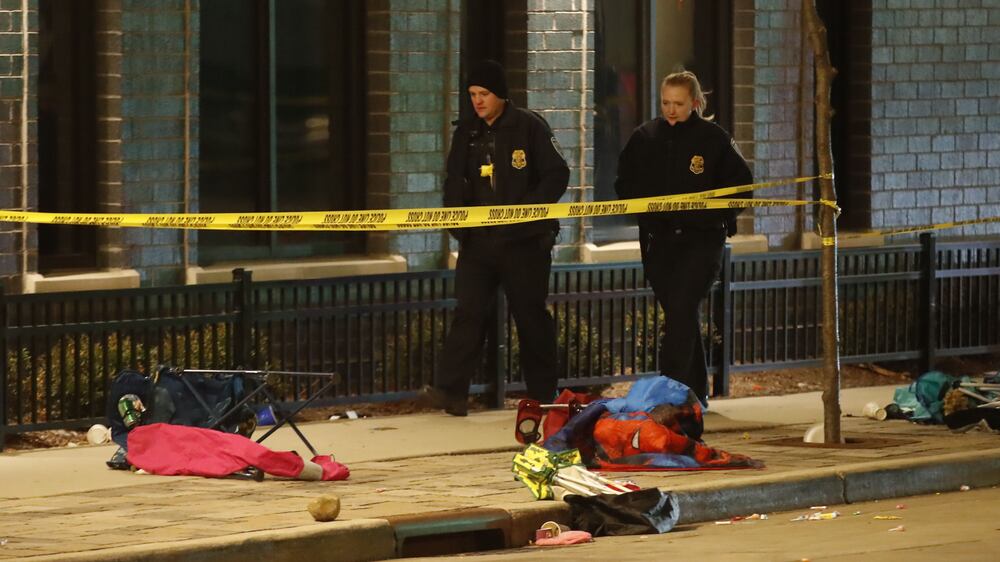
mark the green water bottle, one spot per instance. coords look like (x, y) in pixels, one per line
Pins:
(130, 408)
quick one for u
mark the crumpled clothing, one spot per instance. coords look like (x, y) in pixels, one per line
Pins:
(923, 399)
(658, 435)
(651, 392)
(176, 450)
(640, 512)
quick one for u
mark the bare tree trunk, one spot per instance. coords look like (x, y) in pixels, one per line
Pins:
(825, 74)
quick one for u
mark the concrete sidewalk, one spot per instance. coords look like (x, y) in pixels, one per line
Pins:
(420, 483)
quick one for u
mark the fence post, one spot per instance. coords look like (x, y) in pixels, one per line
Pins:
(3, 368)
(243, 326)
(928, 302)
(498, 363)
(720, 381)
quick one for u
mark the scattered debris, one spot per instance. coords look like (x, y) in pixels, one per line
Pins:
(351, 414)
(964, 488)
(379, 490)
(856, 513)
(3, 542)
(820, 507)
(738, 518)
(886, 517)
(818, 516)
(900, 506)
(822, 516)
(900, 528)
(746, 436)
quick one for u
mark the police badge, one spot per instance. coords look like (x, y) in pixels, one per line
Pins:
(697, 164)
(518, 159)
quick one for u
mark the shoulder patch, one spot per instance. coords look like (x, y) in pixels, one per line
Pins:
(557, 146)
(736, 147)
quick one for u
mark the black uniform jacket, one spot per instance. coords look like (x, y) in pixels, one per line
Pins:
(527, 166)
(690, 156)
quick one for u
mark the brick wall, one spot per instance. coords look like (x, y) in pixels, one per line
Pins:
(560, 67)
(935, 113)
(781, 129)
(110, 249)
(14, 175)
(412, 73)
(744, 57)
(154, 109)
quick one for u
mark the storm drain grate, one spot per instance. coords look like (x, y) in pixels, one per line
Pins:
(451, 532)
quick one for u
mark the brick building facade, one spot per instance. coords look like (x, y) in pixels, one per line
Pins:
(242, 105)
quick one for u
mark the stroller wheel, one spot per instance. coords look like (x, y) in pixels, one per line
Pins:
(529, 420)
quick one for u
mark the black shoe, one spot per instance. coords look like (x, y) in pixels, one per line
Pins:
(118, 461)
(961, 421)
(431, 397)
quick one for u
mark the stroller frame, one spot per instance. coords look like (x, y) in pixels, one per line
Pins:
(257, 379)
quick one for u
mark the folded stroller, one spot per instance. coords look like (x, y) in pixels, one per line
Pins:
(170, 396)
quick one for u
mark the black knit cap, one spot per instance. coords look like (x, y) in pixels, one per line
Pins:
(490, 75)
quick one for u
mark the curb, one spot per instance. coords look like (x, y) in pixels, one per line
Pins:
(760, 494)
(359, 540)
(513, 525)
(948, 473)
(845, 484)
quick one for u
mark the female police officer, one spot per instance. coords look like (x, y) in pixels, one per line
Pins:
(682, 152)
(503, 156)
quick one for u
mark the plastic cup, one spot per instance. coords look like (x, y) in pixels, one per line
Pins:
(873, 411)
(554, 528)
(98, 434)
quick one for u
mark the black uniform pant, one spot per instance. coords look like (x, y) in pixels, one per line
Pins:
(681, 265)
(522, 268)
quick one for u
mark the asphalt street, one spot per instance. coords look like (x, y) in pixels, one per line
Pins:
(948, 526)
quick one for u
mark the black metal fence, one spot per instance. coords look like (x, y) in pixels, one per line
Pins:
(382, 335)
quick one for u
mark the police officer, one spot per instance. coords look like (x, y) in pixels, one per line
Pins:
(503, 156)
(682, 152)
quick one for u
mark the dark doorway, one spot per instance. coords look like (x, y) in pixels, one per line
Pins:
(67, 131)
(849, 28)
(495, 30)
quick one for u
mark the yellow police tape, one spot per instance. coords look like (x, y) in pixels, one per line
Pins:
(419, 219)
(916, 229)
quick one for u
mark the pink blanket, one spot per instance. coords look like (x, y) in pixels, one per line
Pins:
(172, 450)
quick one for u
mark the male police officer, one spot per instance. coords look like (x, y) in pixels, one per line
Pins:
(503, 156)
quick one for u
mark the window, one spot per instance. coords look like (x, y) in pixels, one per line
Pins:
(620, 96)
(637, 44)
(282, 121)
(67, 132)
